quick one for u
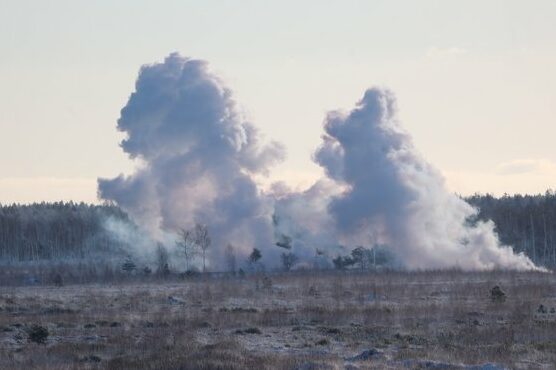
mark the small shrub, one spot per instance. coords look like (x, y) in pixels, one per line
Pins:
(205, 324)
(313, 291)
(191, 273)
(497, 295)
(332, 331)
(129, 266)
(91, 358)
(248, 331)
(57, 280)
(267, 283)
(244, 310)
(252, 331)
(37, 334)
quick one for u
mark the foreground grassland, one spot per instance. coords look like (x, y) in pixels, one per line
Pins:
(327, 320)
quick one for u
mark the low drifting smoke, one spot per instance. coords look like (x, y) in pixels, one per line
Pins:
(199, 156)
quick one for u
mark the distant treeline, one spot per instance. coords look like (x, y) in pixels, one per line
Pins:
(44, 231)
(526, 222)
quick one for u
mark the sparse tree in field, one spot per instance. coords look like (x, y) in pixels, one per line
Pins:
(202, 240)
(162, 260)
(362, 256)
(342, 262)
(288, 260)
(129, 266)
(255, 256)
(187, 244)
(231, 258)
(58, 280)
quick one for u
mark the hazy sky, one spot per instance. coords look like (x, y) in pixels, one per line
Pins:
(475, 82)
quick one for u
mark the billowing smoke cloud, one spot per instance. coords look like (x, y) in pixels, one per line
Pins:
(199, 156)
(394, 197)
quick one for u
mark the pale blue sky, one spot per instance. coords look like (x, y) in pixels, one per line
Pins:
(475, 81)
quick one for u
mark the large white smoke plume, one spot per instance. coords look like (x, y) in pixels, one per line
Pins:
(394, 197)
(199, 156)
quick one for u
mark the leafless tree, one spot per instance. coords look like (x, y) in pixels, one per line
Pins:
(202, 240)
(288, 260)
(187, 243)
(254, 258)
(162, 259)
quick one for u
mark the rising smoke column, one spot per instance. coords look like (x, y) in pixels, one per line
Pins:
(393, 197)
(198, 155)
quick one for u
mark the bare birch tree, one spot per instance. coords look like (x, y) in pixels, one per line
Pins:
(187, 243)
(202, 240)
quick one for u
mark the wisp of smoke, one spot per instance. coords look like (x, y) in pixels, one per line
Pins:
(199, 156)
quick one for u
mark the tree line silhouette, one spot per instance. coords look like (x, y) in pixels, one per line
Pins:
(44, 231)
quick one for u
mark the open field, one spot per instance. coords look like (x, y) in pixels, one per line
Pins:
(329, 320)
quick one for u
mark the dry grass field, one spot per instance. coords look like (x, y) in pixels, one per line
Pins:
(300, 320)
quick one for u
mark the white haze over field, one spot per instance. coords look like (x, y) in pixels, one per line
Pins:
(200, 156)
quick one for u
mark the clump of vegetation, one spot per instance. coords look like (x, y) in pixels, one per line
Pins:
(245, 310)
(288, 260)
(264, 283)
(162, 259)
(91, 358)
(497, 295)
(313, 291)
(331, 330)
(57, 280)
(267, 283)
(37, 334)
(255, 256)
(363, 258)
(129, 266)
(252, 330)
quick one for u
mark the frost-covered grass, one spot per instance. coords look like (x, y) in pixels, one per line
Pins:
(327, 319)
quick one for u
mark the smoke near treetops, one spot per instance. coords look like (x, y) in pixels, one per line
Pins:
(199, 156)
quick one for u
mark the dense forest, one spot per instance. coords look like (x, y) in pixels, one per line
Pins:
(45, 231)
(526, 222)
